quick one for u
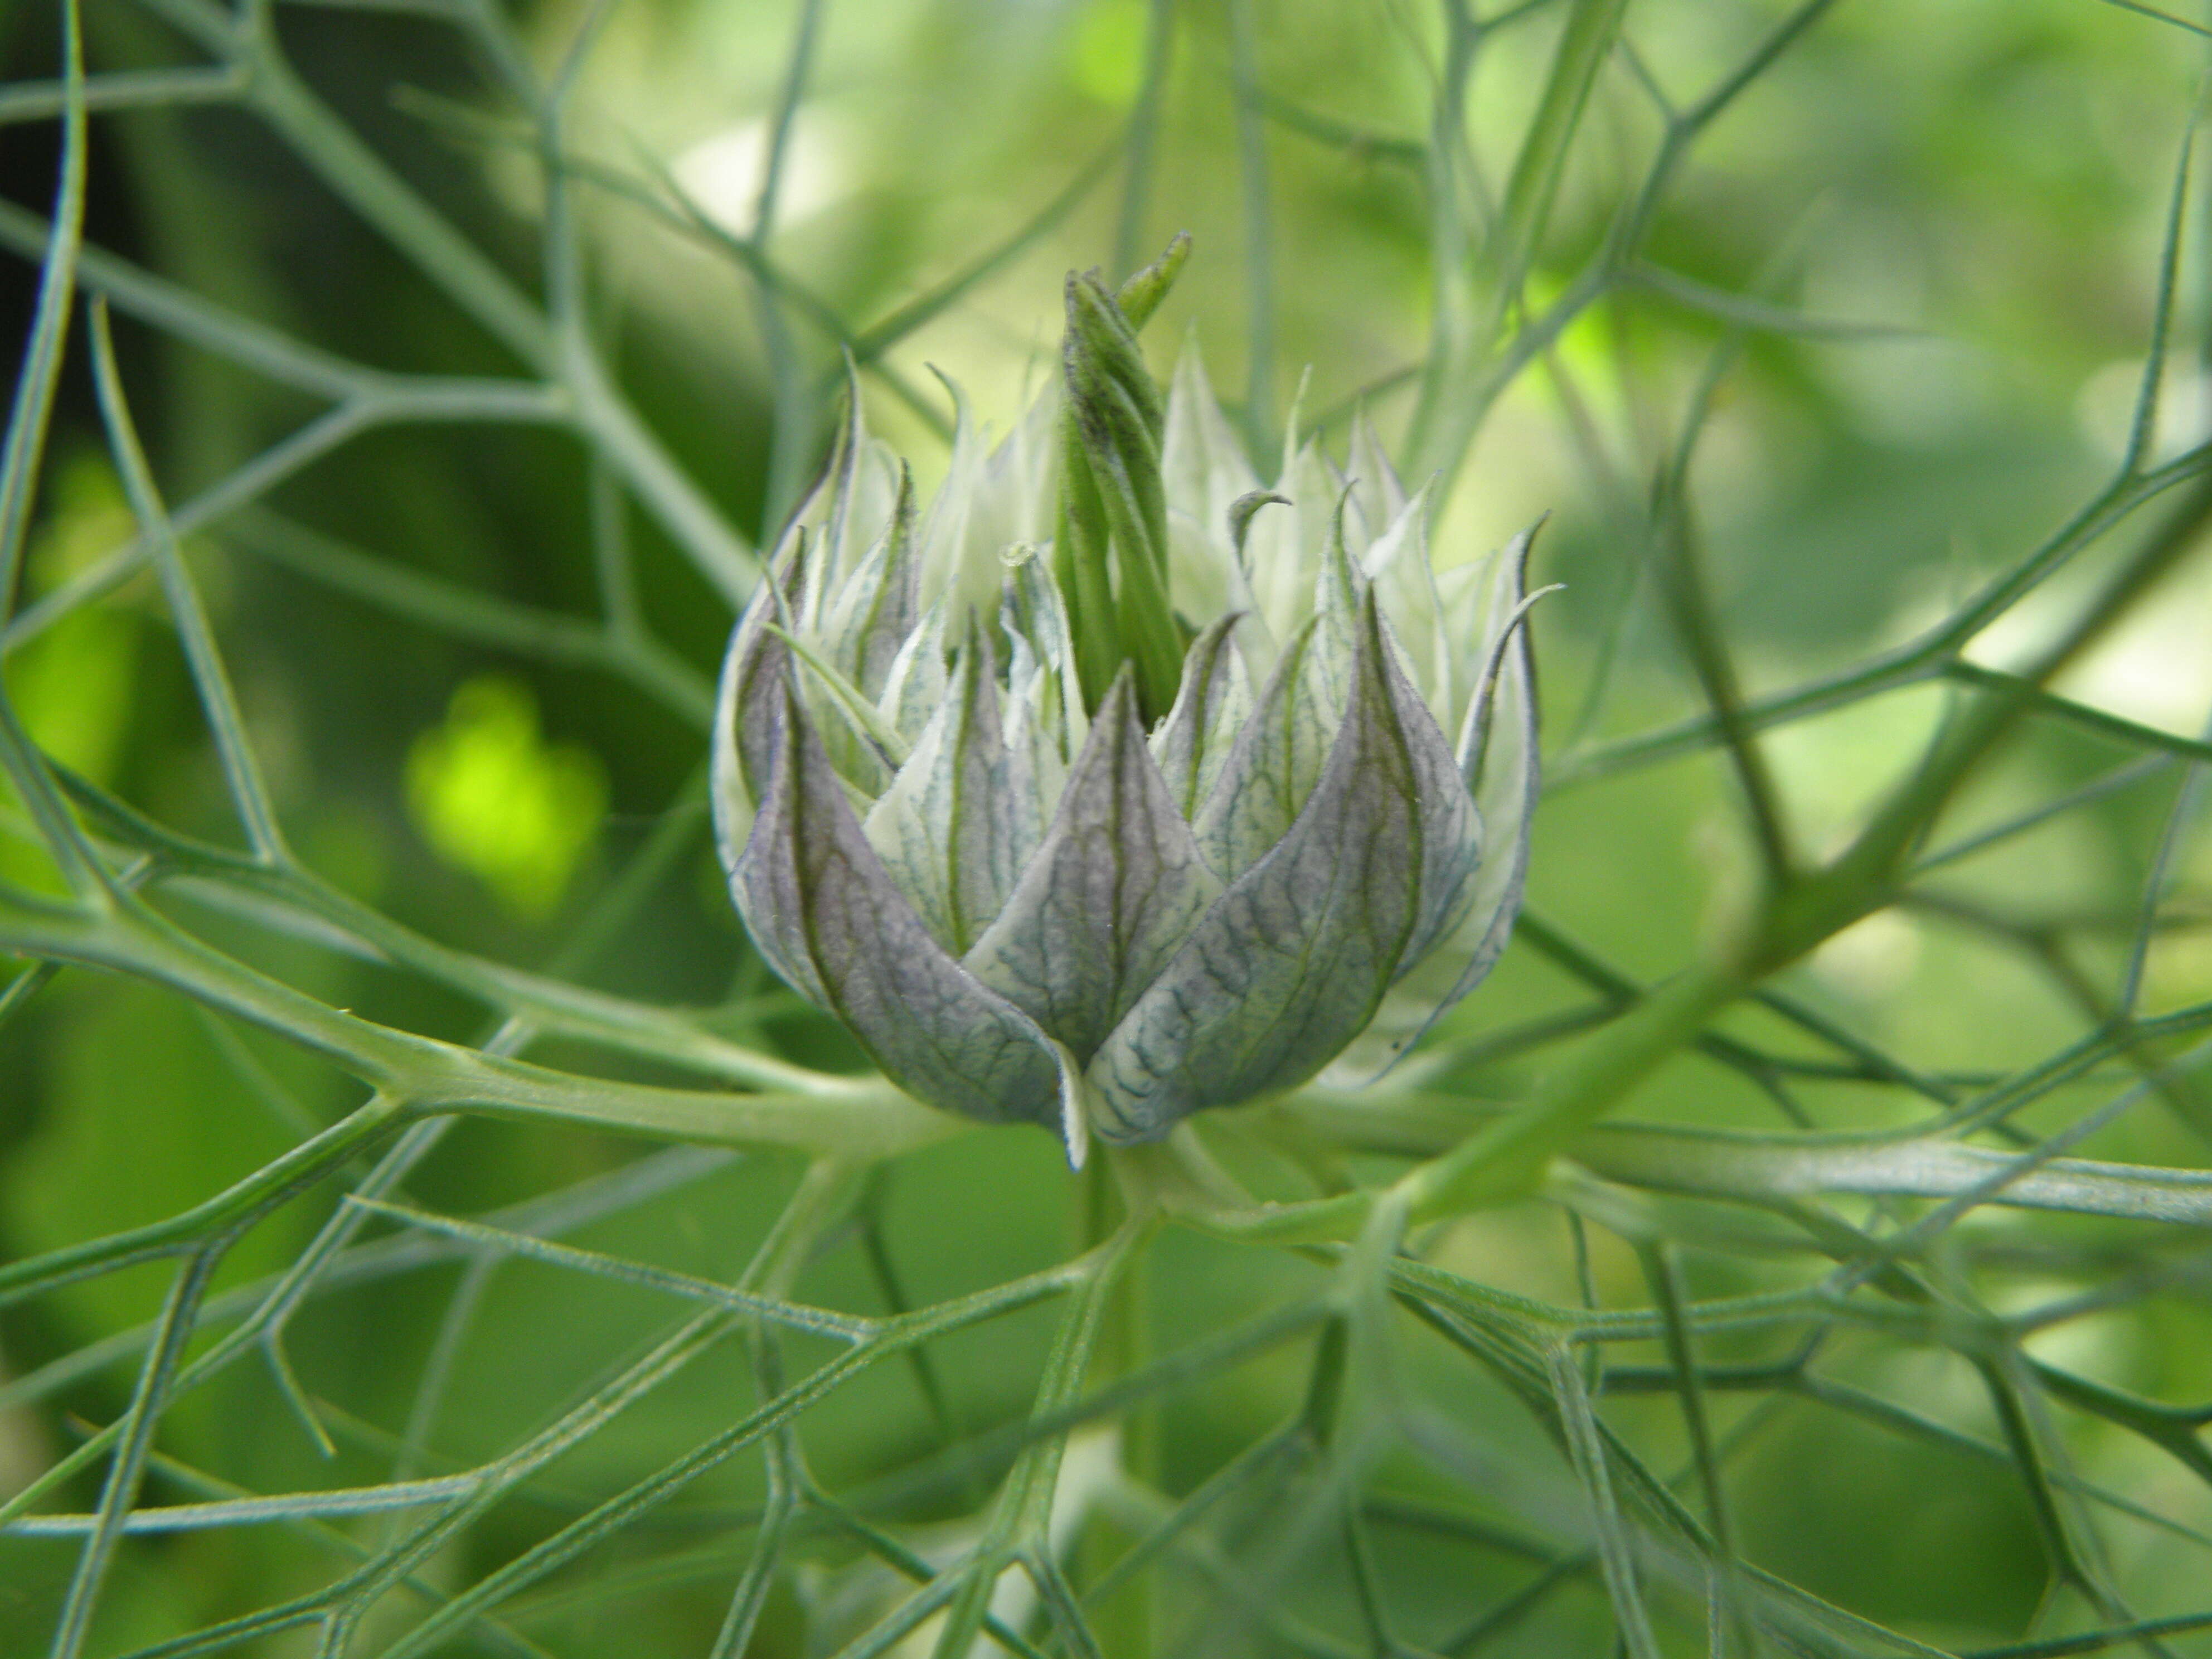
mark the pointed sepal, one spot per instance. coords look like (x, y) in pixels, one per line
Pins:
(962, 817)
(825, 914)
(1292, 960)
(1110, 895)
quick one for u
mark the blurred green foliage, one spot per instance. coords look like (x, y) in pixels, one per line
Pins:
(1919, 257)
(491, 797)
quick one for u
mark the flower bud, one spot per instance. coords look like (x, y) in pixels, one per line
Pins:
(1119, 785)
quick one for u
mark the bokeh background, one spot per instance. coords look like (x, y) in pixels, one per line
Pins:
(1930, 236)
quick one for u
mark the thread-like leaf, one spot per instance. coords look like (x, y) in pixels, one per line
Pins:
(1586, 1449)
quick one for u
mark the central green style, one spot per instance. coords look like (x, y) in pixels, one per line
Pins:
(1115, 785)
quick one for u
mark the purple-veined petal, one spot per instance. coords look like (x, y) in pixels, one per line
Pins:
(822, 910)
(1110, 896)
(1498, 754)
(1291, 961)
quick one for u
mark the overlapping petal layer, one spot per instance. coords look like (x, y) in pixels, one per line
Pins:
(1014, 901)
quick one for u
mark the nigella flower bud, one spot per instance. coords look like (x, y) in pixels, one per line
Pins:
(1116, 786)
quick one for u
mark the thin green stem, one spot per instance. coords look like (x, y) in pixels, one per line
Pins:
(764, 1419)
(218, 701)
(119, 1493)
(1141, 140)
(306, 1163)
(1683, 583)
(793, 417)
(1259, 229)
(619, 648)
(1934, 653)
(859, 1115)
(43, 101)
(29, 413)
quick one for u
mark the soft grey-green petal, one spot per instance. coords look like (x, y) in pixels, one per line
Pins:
(1202, 460)
(864, 480)
(864, 763)
(1397, 562)
(1284, 545)
(915, 688)
(962, 817)
(1502, 657)
(1042, 676)
(1193, 743)
(844, 512)
(965, 535)
(1016, 488)
(1377, 491)
(1340, 589)
(822, 910)
(1111, 895)
(1273, 766)
(1501, 749)
(740, 752)
(1203, 470)
(1293, 958)
(1452, 830)
(872, 614)
(746, 699)
(1506, 767)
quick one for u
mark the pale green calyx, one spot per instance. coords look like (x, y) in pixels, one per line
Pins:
(1117, 784)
